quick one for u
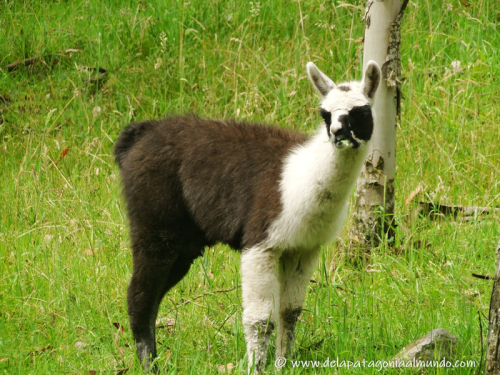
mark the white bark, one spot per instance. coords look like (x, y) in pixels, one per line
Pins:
(375, 187)
(381, 15)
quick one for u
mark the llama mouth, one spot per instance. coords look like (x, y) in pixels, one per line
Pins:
(346, 143)
(343, 143)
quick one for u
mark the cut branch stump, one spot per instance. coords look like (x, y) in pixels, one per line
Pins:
(492, 366)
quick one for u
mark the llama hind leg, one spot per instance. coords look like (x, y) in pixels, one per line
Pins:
(260, 292)
(143, 299)
(156, 271)
(295, 271)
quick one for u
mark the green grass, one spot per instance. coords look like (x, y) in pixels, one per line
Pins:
(64, 257)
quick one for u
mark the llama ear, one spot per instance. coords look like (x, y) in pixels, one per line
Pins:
(319, 80)
(371, 79)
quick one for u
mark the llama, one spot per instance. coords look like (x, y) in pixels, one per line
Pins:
(273, 194)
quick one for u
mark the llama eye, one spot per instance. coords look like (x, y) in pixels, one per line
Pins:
(327, 116)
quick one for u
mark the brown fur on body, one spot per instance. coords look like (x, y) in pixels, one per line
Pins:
(190, 183)
(220, 177)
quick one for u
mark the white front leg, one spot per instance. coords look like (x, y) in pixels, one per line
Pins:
(295, 271)
(260, 292)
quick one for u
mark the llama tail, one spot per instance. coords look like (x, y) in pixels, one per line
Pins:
(128, 137)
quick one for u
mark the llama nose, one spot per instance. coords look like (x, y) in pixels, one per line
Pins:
(341, 131)
(341, 135)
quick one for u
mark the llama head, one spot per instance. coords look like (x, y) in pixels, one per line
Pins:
(346, 108)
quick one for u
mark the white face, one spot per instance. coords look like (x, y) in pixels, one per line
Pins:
(346, 108)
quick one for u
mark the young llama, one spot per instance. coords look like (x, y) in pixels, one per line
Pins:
(272, 194)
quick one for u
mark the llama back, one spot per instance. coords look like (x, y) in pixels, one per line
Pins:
(220, 176)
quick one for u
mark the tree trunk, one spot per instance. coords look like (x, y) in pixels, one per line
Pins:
(493, 351)
(374, 202)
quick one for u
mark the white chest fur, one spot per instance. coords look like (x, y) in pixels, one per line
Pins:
(316, 182)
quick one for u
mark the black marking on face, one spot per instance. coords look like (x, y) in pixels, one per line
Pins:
(356, 126)
(327, 116)
(344, 88)
(361, 122)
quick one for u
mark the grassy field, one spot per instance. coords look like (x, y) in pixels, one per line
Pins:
(64, 248)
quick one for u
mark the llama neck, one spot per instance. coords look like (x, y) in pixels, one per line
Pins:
(319, 166)
(315, 185)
